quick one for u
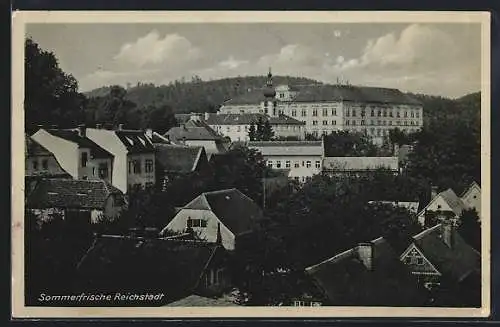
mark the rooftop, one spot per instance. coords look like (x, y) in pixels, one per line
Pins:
(178, 158)
(288, 148)
(360, 163)
(81, 141)
(69, 193)
(250, 118)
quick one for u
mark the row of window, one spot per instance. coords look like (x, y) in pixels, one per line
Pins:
(296, 164)
(303, 112)
(382, 122)
(134, 166)
(325, 122)
(214, 277)
(382, 113)
(45, 164)
(139, 186)
(196, 223)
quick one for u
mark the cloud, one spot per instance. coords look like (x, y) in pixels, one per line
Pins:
(151, 49)
(232, 63)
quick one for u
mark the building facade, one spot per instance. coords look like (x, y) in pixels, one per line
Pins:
(301, 159)
(134, 153)
(77, 154)
(328, 108)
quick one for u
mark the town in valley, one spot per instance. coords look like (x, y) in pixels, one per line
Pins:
(264, 190)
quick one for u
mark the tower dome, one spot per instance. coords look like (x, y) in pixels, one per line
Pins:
(269, 91)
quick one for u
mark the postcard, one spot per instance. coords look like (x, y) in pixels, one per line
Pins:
(250, 164)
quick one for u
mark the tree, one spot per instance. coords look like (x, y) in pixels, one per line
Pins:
(252, 132)
(259, 136)
(345, 143)
(470, 228)
(160, 119)
(267, 131)
(51, 95)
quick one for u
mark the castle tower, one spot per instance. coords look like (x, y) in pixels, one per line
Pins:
(270, 96)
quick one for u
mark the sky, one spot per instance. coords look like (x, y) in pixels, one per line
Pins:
(439, 59)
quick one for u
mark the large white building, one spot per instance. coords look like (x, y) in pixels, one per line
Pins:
(328, 108)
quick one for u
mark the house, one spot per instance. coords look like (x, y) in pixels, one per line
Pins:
(471, 198)
(77, 154)
(173, 161)
(303, 159)
(228, 214)
(39, 163)
(86, 201)
(369, 274)
(441, 260)
(237, 126)
(134, 153)
(359, 165)
(175, 268)
(446, 201)
(197, 133)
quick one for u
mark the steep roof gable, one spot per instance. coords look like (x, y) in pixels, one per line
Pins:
(177, 158)
(81, 141)
(135, 141)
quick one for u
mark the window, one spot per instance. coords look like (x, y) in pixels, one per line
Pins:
(45, 164)
(238, 128)
(334, 122)
(385, 113)
(297, 164)
(354, 112)
(398, 114)
(84, 159)
(362, 122)
(35, 165)
(318, 164)
(308, 164)
(412, 115)
(353, 123)
(378, 132)
(246, 128)
(315, 112)
(420, 261)
(294, 113)
(379, 113)
(406, 123)
(282, 95)
(390, 122)
(287, 164)
(299, 303)
(417, 114)
(347, 113)
(278, 164)
(372, 113)
(406, 114)
(390, 113)
(270, 163)
(325, 122)
(103, 170)
(347, 122)
(325, 112)
(315, 122)
(303, 113)
(334, 112)
(134, 166)
(196, 222)
(296, 178)
(228, 129)
(148, 166)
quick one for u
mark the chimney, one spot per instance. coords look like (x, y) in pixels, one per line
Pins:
(120, 127)
(365, 253)
(149, 133)
(98, 126)
(448, 233)
(434, 191)
(207, 115)
(82, 130)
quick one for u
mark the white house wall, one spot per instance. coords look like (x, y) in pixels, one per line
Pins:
(65, 152)
(209, 233)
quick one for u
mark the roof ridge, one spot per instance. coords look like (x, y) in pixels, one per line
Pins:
(426, 231)
(333, 259)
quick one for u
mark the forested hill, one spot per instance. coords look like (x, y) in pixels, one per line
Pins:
(197, 95)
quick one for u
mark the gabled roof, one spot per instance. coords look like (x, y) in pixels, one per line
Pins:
(451, 198)
(297, 148)
(178, 158)
(81, 141)
(473, 185)
(192, 133)
(346, 280)
(200, 301)
(135, 141)
(234, 209)
(456, 262)
(33, 148)
(360, 163)
(69, 193)
(159, 139)
(319, 93)
(120, 263)
(285, 120)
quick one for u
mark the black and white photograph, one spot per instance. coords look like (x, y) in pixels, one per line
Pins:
(238, 163)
